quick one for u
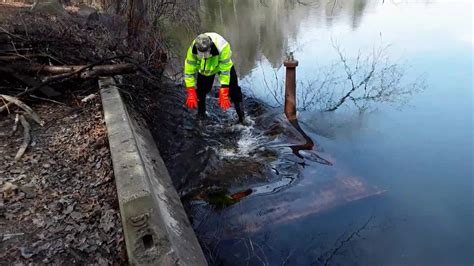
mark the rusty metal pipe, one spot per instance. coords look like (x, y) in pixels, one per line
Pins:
(290, 87)
(290, 104)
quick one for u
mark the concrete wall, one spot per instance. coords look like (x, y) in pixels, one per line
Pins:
(156, 228)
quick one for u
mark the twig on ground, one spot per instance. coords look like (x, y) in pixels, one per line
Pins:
(46, 99)
(15, 125)
(26, 138)
(23, 106)
(5, 105)
(12, 35)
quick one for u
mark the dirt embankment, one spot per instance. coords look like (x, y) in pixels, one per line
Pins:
(58, 202)
(192, 149)
(173, 127)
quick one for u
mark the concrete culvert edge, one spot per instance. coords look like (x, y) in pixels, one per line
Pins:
(156, 228)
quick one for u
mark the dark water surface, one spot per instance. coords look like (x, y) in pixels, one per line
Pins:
(400, 190)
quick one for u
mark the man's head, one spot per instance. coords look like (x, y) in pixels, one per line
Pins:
(203, 45)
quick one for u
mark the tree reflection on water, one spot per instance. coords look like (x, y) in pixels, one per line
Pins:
(268, 28)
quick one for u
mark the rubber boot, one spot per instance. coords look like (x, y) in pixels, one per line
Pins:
(239, 108)
(201, 115)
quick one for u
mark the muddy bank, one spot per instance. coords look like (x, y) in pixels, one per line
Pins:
(217, 156)
(192, 149)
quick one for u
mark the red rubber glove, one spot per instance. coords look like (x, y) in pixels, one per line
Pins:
(224, 101)
(191, 101)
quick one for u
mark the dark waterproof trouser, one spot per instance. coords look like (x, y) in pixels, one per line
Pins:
(204, 86)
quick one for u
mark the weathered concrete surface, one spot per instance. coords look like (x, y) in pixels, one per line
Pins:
(156, 228)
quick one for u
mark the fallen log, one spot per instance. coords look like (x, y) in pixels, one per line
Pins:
(12, 57)
(108, 70)
(9, 57)
(29, 81)
(14, 50)
(59, 78)
(93, 72)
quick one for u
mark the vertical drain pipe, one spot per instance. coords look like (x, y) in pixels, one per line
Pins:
(290, 109)
(290, 104)
(290, 87)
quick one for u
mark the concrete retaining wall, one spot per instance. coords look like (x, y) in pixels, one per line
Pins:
(156, 228)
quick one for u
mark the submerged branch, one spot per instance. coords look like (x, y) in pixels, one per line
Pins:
(343, 242)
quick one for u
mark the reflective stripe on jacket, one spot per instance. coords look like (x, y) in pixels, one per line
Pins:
(220, 62)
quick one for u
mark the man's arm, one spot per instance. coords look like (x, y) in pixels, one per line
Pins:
(190, 67)
(225, 64)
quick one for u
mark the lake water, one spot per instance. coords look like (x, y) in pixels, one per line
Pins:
(400, 190)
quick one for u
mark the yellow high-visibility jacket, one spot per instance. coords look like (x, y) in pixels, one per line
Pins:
(219, 63)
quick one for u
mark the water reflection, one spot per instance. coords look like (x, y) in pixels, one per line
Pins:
(409, 153)
(268, 183)
(266, 28)
(254, 28)
(269, 29)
